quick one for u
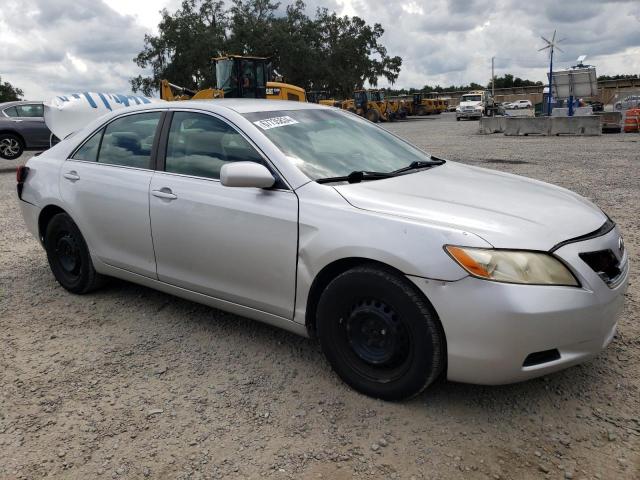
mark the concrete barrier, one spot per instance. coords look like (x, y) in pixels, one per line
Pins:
(526, 126)
(514, 126)
(582, 125)
(492, 125)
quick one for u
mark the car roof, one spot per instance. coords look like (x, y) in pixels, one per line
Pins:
(247, 105)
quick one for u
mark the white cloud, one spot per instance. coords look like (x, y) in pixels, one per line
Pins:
(48, 47)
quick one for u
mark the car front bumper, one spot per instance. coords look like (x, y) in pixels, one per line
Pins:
(491, 327)
(468, 114)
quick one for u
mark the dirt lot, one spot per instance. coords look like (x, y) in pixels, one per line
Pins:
(131, 383)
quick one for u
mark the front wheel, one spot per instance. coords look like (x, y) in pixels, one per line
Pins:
(373, 116)
(11, 146)
(69, 256)
(380, 335)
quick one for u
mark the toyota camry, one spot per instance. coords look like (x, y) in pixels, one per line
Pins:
(405, 266)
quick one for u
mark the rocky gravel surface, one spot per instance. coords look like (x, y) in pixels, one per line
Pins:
(131, 383)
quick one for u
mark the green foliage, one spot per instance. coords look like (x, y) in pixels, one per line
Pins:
(618, 77)
(328, 52)
(9, 93)
(183, 50)
(508, 81)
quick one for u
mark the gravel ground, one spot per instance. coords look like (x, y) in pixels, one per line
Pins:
(132, 383)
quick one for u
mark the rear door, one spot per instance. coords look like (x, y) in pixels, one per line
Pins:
(32, 126)
(105, 185)
(234, 244)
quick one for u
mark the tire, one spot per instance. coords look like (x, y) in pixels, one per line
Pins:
(457, 119)
(69, 257)
(372, 116)
(11, 146)
(379, 334)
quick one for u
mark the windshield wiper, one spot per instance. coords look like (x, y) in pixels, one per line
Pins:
(418, 164)
(360, 175)
(357, 177)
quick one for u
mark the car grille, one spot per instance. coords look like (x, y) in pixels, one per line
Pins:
(605, 264)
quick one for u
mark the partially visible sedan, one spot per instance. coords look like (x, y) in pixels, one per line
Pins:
(520, 104)
(22, 128)
(406, 267)
(629, 102)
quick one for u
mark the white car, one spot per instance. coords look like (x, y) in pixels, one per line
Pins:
(317, 221)
(518, 104)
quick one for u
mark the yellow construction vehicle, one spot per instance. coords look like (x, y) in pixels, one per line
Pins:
(416, 104)
(323, 98)
(370, 104)
(237, 77)
(285, 91)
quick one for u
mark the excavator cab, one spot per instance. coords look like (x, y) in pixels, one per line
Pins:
(242, 77)
(361, 99)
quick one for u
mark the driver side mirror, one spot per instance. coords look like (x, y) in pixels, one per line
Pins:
(246, 174)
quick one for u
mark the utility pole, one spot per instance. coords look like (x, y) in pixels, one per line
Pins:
(493, 78)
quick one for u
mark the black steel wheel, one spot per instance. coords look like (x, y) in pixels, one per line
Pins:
(380, 334)
(68, 255)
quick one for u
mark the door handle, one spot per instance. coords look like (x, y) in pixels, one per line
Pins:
(72, 175)
(165, 193)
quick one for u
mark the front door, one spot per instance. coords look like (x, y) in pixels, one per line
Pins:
(235, 244)
(105, 185)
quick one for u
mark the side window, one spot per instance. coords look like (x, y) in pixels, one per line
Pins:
(11, 112)
(89, 151)
(128, 140)
(34, 110)
(200, 144)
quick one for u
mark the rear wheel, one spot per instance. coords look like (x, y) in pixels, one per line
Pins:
(379, 334)
(11, 146)
(69, 257)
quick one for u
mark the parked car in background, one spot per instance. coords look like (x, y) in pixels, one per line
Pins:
(22, 128)
(405, 266)
(632, 101)
(518, 104)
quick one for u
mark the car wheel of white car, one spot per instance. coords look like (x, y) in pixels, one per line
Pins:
(379, 334)
(11, 146)
(69, 257)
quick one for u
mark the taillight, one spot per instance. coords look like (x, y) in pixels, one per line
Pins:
(21, 174)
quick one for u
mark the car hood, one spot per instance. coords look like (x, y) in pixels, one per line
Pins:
(508, 211)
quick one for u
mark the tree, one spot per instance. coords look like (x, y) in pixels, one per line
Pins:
(509, 81)
(328, 52)
(182, 51)
(9, 93)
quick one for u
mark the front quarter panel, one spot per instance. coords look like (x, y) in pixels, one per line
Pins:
(331, 229)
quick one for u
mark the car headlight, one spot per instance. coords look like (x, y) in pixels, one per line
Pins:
(478, 108)
(513, 266)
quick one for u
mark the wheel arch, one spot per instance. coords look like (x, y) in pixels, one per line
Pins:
(331, 271)
(46, 214)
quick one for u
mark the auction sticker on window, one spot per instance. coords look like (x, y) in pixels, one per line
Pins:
(267, 123)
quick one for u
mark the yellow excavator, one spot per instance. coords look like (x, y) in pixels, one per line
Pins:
(237, 77)
(369, 104)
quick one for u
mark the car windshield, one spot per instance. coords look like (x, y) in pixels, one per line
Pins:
(471, 98)
(326, 143)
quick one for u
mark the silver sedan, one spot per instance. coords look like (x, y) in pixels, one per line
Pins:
(406, 267)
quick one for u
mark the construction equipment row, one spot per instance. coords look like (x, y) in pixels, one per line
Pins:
(248, 77)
